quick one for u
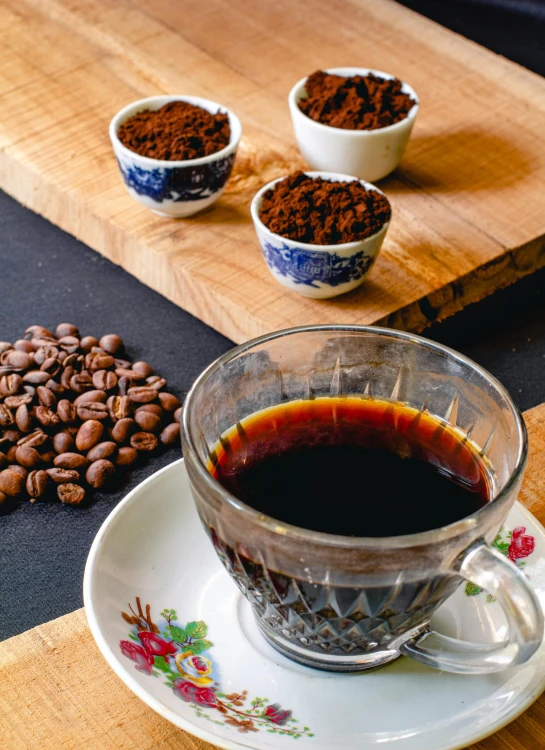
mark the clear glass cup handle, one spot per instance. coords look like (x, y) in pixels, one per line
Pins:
(490, 570)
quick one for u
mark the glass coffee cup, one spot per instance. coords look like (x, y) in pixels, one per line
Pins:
(334, 600)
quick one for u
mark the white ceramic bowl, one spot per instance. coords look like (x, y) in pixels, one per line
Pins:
(318, 271)
(175, 188)
(368, 154)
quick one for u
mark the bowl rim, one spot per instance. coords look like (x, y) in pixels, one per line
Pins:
(255, 210)
(294, 97)
(160, 100)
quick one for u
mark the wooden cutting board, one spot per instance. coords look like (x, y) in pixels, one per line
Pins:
(468, 203)
(56, 690)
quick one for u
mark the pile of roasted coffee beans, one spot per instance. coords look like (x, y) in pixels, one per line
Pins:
(74, 411)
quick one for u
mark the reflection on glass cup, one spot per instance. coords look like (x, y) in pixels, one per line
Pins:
(351, 603)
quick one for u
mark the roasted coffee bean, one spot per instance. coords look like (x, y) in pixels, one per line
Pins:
(35, 439)
(66, 329)
(71, 461)
(30, 389)
(36, 483)
(143, 369)
(22, 418)
(124, 385)
(95, 361)
(66, 411)
(16, 358)
(70, 494)
(11, 434)
(153, 408)
(10, 384)
(6, 417)
(62, 356)
(123, 429)
(36, 377)
(171, 434)
(3, 460)
(44, 353)
(60, 476)
(89, 434)
(69, 344)
(104, 380)
(90, 397)
(20, 470)
(11, 483)
(48, 457)
(168, 401)
(99, 472)
(21, 345)
(73, 430)
(44, 341)
(14, 402)
(63, 442)
(27, 456)
(87, 343)
(125, 363)
(125, 372)
(66, 375)
(107, 449)
(46, 417)
(119, 407)
(5, 346)
(34, 332)
(144, 441)
(111, 343)
(81, 382)
(148, 422)
(178, 414)
(142, 394)
(11, 454)
(52, 366)
(76, 361)
(46, 397)
(94, 410)
(153, 379)
(55, 387)
(126, 456)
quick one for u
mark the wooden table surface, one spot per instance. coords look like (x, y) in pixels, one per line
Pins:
(467, 200)
(56, 690)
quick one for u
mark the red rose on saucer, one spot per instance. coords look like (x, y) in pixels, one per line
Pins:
(156, 645)
(144, 660)
(191, 693)
(276, 714)
(521, 544)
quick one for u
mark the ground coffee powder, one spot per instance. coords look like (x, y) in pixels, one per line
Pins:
(320, 212)
(355, 103)
(176, 131)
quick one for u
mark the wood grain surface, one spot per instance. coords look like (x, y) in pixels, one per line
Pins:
(467, 200)
(56, 690)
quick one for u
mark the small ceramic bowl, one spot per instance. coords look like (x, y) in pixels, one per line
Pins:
(175, 188)
(318, 271)
(368, 154)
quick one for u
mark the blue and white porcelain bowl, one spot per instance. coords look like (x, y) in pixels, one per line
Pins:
(317, 271)
(175, 188)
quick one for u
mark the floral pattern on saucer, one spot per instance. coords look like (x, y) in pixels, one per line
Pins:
(516, 545)
(182, 656)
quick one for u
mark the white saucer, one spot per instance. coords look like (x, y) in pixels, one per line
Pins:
(152, 546)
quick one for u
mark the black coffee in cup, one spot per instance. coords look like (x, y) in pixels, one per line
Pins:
(352, 466)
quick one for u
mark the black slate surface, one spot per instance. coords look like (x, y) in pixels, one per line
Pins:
(48, 277)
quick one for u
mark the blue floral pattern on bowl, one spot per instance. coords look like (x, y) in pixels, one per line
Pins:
(178, 184)
(311, 266)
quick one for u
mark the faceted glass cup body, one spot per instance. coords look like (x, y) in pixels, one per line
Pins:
(338, 602)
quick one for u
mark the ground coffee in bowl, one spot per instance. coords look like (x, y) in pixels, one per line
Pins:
(355, 102)
(178, 131)
(319, 211)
